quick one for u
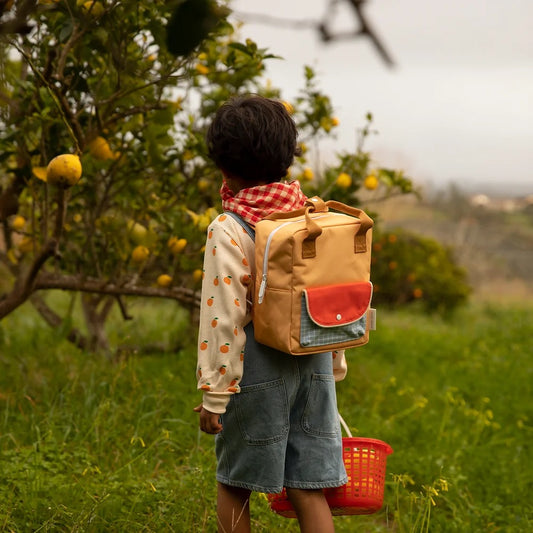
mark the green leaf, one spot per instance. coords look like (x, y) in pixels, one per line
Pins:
(66, 31)
(163, 116)
(242, 48)
(189, 25)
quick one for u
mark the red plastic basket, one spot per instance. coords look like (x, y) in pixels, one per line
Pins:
(365, 461)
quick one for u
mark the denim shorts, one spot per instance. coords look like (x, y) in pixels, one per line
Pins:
(282, 429)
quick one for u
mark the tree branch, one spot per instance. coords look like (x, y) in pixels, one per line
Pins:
(19, 23)
(59, 100)
(55, 321)
(367, 30)
(46, 280)
(26, 285)
(364, 30)
(23, 290)
(74, 36)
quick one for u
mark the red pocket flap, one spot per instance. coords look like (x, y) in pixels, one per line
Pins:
(338, 305)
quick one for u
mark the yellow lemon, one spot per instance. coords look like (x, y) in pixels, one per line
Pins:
(335, 121)
(26, 245)
(307, 174)
(94, 8)
(371, 182)
(203, 222)
(176, 245)
(197, 275)
(343, 180)
(12, 256)
(201, 69)
(164, 280)
(64, 170)
(99, 149)
(18, 223)
(203, 184)
(39, 172)
(140, 254)
(211, 212)
(137, 232)
(289, 107)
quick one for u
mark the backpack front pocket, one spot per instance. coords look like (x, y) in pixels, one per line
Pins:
(334, 314)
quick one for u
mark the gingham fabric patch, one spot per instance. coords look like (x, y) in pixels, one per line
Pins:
(313, 335)
(256, 203)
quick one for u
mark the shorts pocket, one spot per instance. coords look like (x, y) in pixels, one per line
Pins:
(263, 412)
(320, 416)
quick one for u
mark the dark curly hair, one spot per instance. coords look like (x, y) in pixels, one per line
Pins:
(253, 138)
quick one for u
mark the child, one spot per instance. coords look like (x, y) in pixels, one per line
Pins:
(274, 415)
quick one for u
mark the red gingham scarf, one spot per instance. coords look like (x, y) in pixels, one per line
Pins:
(256, 203)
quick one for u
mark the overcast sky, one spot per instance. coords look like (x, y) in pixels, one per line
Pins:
(457, 107)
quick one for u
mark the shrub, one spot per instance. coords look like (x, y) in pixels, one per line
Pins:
(407, 268)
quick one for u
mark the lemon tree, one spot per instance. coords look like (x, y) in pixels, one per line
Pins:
(106, 187)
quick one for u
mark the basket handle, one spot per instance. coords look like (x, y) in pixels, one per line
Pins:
(344, 425)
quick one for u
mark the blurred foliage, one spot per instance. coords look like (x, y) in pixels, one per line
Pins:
(407, 268)
(96, 78)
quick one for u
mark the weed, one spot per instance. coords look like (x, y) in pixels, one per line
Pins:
(90, 445)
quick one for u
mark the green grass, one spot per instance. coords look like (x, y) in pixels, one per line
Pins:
(90, 445)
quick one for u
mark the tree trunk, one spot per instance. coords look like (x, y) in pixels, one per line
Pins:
(55, 321)
(96, 309)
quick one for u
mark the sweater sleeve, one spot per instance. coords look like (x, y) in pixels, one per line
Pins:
(340, 367)
(223, 315)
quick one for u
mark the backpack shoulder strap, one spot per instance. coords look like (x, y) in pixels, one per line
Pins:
(243, 223)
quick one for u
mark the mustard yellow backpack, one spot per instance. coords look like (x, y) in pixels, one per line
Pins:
(312, 289)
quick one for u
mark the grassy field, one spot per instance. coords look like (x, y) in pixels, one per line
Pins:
(89, 445)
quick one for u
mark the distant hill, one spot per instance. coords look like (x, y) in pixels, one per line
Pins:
(496, 247)
(504, 187)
